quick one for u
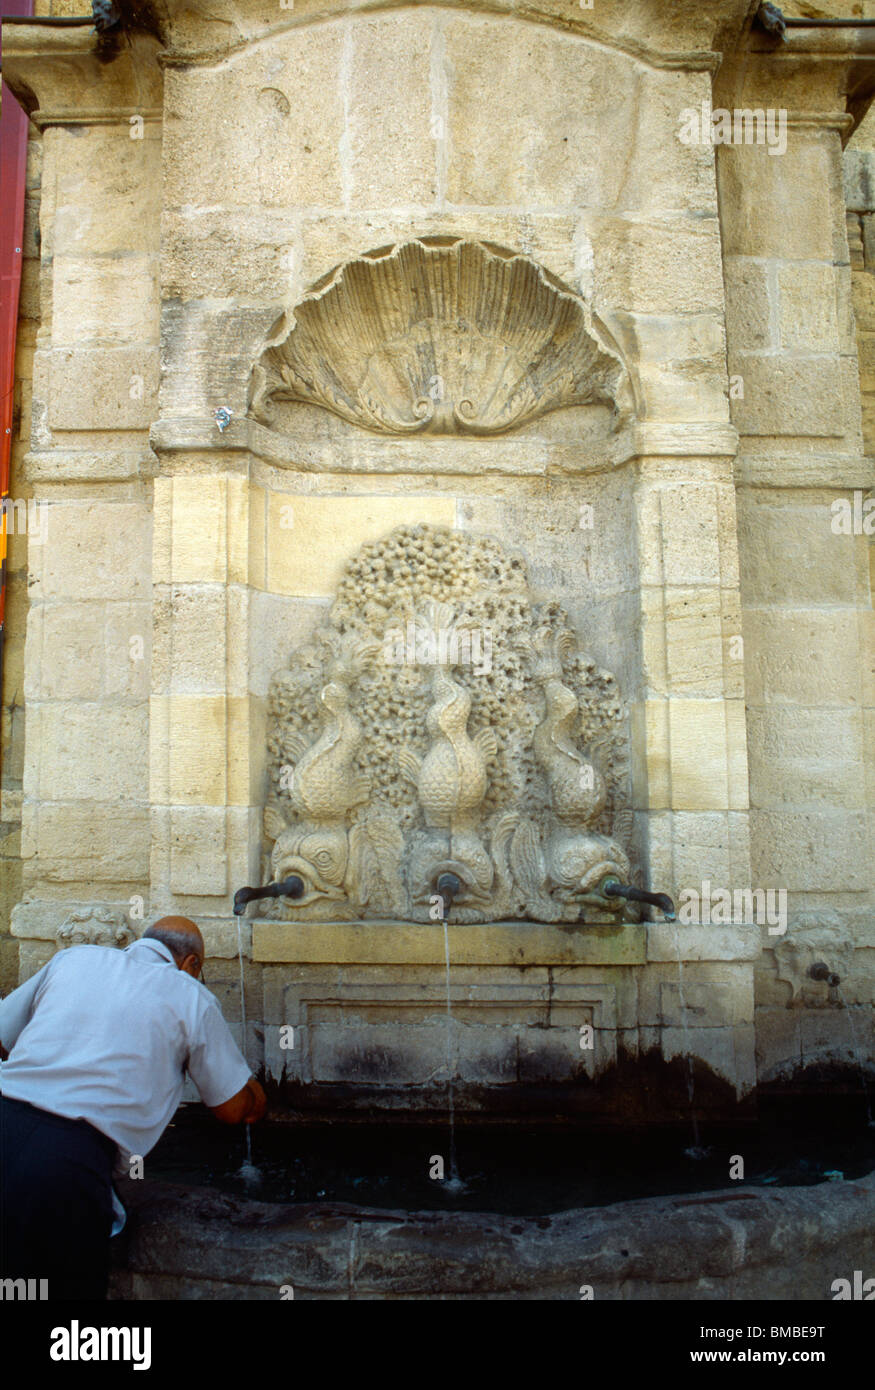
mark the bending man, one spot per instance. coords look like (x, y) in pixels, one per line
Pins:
(99, 1042)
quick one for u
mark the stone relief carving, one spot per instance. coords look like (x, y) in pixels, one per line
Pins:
(440, 335)
(94, 926)
(440, 720)
(815, 936)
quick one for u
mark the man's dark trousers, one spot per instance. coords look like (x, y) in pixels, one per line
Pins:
(55, 1201)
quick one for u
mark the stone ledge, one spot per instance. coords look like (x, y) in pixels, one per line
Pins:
(485, 943)
(667, 941)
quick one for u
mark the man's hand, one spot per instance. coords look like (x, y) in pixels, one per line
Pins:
(246, 1107)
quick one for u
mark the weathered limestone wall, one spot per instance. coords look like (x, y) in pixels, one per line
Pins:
(85, 808)
(187, 208)
(806, 595)
(12, 702)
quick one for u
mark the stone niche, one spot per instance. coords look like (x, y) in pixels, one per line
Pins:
(444, 713)
(439, 335)
(448, 712)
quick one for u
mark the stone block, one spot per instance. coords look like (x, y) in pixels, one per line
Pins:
(686, 172)
(704, 943)
(648, 731)
(826, 1034)
(104, 300)
(392, 102)
(792, 555)
(863, 299)
(694, 641)
(92, 751)
(198, 645)
(868, 230)
(107, 189)
(706, 1004)
(127, 644)
(191, 525)
(555, 239)
(240, 789)
(699, 774)
(198, 862)
(65, 651)
(778, 1042)
(223, 252)
(495, 76)
(789, 396)
(197, 750)
(311, 538)
(804, 757)
(386, 1054)
(700, 847)
(801, 656)
(90, 841)
(749, 304)
(811, 851)
(404, 943)
(93, 550)
(858, 169)
(275, 115)
(668, 265)
(103, 388)
(277, 627)
(777, 206)
(207, 351)
(678, 536)
(727, 1051)
(808, 318)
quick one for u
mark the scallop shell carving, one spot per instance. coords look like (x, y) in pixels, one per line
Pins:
(439, 336)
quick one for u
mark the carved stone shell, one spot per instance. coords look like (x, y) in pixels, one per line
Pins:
(442, 336)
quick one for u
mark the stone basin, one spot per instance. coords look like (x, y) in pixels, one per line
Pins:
(782, 1243)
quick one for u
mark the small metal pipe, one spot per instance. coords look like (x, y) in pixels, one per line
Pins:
(829, 23)
(291, 887)
(50, 20)
(448, 887)
(612, 888)
(821, 971)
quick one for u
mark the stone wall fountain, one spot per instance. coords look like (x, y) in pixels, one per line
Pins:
(438, 455)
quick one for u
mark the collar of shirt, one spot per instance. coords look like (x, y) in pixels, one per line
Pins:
(145, 944)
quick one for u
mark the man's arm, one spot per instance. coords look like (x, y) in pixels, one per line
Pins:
(246, 1107)
(218, 1068)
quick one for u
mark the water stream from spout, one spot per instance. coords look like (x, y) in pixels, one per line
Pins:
(856, 1047)
(454, 1182)
(696, 1149)
(248, 1171)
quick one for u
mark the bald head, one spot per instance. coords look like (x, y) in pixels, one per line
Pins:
(183, 939)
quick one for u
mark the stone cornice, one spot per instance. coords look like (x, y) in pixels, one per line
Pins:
(64, 77)
(832, 70)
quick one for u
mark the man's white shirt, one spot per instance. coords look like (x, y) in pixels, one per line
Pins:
(107, 1036)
